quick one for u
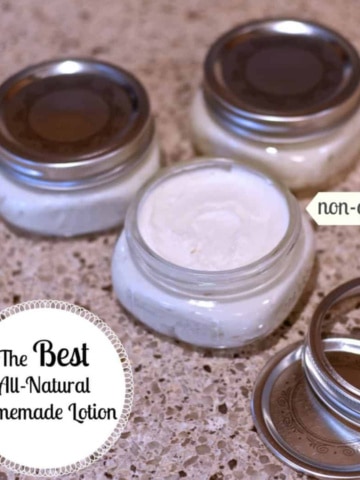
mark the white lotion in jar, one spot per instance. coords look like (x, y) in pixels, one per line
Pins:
(213, 219)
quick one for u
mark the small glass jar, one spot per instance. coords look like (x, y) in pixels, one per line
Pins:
(77, 141)
(214, 309)
(284, 94)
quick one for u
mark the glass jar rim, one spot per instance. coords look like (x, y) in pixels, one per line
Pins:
(208, 278)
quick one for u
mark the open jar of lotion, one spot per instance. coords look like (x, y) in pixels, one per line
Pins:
(283, 93)
(76, 143)
(214, 253)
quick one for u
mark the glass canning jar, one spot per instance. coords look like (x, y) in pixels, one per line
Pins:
(77, 141)
(285, 94)
(226, 308)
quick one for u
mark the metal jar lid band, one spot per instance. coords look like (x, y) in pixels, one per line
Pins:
(298, 428)
(71, 123)
(281, 78)
(330, 386)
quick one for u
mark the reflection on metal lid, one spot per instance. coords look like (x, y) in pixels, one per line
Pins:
(68, 122)
(282, 77)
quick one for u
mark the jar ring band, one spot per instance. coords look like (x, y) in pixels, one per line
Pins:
(330, 386)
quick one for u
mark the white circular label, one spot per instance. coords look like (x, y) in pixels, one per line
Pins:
(66, 388)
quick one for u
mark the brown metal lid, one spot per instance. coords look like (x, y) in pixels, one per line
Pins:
(67, 123)
(282, 78)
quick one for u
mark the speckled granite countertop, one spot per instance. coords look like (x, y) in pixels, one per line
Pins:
(191, 415)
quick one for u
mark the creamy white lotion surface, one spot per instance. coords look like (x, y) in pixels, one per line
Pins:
(213, 219)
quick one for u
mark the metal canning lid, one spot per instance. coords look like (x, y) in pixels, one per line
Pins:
(331, 387)
(281, 78)
(296, 426)
(72, 123)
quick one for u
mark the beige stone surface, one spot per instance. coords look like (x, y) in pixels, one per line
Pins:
(191, 415)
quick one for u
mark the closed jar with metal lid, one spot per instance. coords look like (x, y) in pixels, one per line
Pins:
(214, 252)
(285, 94)
(77, 141)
